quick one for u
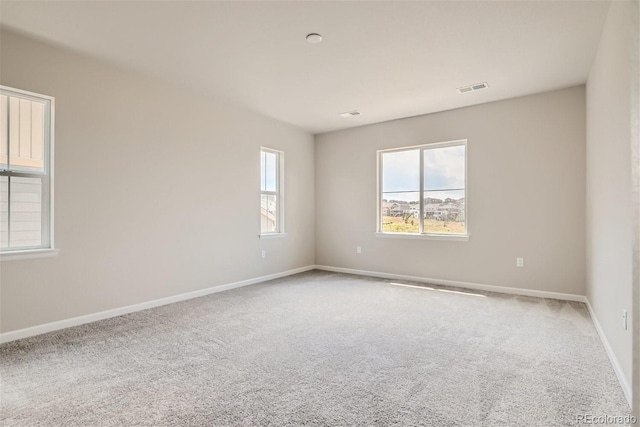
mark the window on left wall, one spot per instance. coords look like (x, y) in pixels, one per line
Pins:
(26, 173)
(271, 193)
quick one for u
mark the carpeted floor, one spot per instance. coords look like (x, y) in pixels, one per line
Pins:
(318, 349)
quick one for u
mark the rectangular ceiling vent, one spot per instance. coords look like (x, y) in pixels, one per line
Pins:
(350, 113)
(471, 88)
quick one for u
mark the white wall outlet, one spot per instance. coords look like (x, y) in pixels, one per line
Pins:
(625, 323)
(264, 254)
(519, 262)
(358, 249)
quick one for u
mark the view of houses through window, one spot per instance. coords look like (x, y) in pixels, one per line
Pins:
(24, 173)
(424, 189)
(270, 191)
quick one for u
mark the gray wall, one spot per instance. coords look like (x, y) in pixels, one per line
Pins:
(526, 195)
(157, 190)
(635, 173)
(609, 224)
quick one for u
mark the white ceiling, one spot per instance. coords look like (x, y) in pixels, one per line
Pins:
(387, 59)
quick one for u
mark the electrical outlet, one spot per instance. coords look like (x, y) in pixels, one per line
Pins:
(358, 249)
(264, 254)
(519, 262)
(625, 322)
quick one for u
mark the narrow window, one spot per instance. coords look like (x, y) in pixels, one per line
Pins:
(26, 129)
(271, 194)
(423, 189)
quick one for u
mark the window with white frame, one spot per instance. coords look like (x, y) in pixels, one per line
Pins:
(271, 192)
(26, 145)
(423, 189)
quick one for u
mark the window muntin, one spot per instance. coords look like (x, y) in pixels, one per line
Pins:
(423, 189)
(26, 123)
(271, 197)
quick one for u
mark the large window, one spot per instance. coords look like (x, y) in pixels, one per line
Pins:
(423, 190)
(26, 124)
(271, 192)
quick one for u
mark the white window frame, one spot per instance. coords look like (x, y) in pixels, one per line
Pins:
(47, 247)
(279, 193)
(421, 234)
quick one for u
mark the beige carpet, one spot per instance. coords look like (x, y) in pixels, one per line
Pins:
(318, 349)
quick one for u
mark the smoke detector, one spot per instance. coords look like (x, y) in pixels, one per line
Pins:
(472, 88)
(350, 113)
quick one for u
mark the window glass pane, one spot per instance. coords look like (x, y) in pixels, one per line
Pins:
(4, 212)
(4, 141)
(25, 219)
(263, 170)
(268, 213)
(444, 168)
(26, 135)
(444, 212)
(264, 213)
(273, 211)
(401, 171)
(401, 212)
(37, 135)
(14, 125)
(270, 175)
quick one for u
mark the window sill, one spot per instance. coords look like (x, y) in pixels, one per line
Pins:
(272, 235)
(28, 254)
(450, 237)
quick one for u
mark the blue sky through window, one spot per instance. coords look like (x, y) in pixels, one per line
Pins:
(444, 173)
(268, 171)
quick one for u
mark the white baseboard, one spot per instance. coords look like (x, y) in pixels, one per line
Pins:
(81, 320)
(89, 318)
(626, 387)
(466, 285)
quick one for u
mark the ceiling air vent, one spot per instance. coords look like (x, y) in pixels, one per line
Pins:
(471, 88)
(350, 113)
